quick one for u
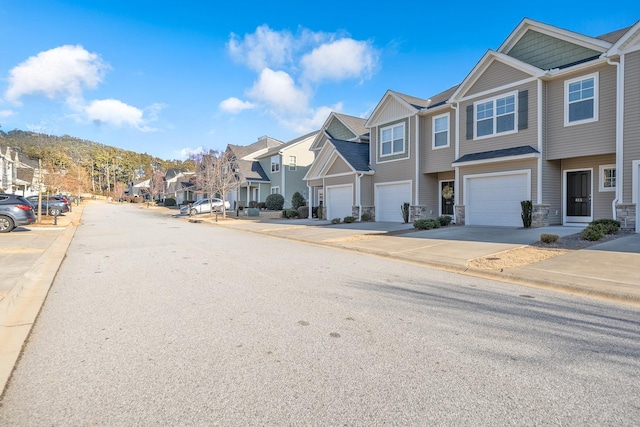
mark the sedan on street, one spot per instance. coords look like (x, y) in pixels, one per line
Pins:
(204, 206)
(14, 211)
(51, 205)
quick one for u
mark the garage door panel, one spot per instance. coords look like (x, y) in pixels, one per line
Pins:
(339, 201)
(495, 200)
(389, 201)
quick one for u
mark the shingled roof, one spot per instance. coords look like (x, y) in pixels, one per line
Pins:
(355, 153)
(495, 154)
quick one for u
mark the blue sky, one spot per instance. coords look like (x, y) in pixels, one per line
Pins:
(171, 77)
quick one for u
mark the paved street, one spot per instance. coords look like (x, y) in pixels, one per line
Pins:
(153, 320)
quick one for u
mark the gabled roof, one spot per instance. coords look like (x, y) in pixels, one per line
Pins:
(251, 170)
(629, 35)
(248, 152)
(289, 144)
(411, 104)
(441, 99)
(356, 154)
(352, 124)
(172, 173)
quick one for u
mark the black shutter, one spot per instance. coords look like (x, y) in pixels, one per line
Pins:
(470, 121)
(523, 109)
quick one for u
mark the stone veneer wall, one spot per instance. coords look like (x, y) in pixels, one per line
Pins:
(540, 216)
(460, 214)
(417, 212)
(371, 210)
(626, 214)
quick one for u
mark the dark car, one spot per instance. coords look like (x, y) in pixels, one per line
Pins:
(51, 205)
(14, 211)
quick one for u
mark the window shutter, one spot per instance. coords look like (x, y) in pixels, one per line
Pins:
(523, 109)
(470, 121)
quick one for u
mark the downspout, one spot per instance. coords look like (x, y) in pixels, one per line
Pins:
(359, 195)
(282, 169)
(416, 196)
(456, 177)
(540, 144)
(310, 193)
(619, 130)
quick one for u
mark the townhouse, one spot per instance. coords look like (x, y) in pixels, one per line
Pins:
(551, 116)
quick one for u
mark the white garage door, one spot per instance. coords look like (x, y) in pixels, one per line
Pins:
(339, 201)
(389, 201)
(495, 200)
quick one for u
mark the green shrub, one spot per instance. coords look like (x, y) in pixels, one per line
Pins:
(169, 201)
(274, 202)
(253, 204)
(549, 238)
(426, 224)
(303, 212)
(290, 213)
(610, 226)
(593, 232)
(444, 220)
(297, 200)
(365, 217)
(349, 219)
(335, 221)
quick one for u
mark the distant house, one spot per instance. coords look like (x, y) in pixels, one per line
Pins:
(180, 185)
(18, 175)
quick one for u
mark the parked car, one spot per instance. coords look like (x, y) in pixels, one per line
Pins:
(14, 211)
(204, 206)
(51, 205)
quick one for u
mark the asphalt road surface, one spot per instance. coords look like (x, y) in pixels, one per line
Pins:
(156, 321)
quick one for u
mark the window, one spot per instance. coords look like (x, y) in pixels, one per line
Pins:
(292, 163)
(607, 178)
(495, 116)
(392, 140)
(441, 131)
(581, 100)
(275, 164)
(275, 190)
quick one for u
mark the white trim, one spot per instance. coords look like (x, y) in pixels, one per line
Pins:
(540, 143)
(596, 99)
(276, 188)
(491, 174)
(276, 156)
(339, 174)
(575, 219)
(327, 203)
(433, 131)
(384, 184)
(601, 186)
(635, 190)
(404, 139)
(416, 195)
(491, 91)
(495, 116)
(496, 160)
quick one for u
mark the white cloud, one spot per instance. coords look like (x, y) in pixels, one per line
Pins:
(311, 121)
(6, 113)
(189, 153)
(234, 105)
(263, 49)
(115, 113)
(339, 60)
(63, 71)
(278, 91)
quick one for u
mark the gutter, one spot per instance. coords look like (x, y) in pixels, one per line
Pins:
(619, 131)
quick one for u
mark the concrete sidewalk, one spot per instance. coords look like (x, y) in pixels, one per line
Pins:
(609, 270)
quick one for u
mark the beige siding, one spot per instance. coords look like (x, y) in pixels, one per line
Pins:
(631, 121)
(366, 190)
(429, 194)
(315, 182)
(391, 110)
(601, 200)
(583, 139)
(339, 166)
(340, 180)
(396, 170)
(440, 159)
(530, 164)
(523, 137)
(496, 75)
(552, 190)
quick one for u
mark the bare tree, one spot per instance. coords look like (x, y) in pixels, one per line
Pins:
(216, 175)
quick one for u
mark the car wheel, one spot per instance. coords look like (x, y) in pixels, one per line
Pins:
(6, 224)
(55, 211)
(193, 211)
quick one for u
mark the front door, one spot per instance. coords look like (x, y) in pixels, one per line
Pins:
(579, 196)
(446, 198)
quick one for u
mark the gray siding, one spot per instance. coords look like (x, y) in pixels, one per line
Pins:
(583, 139)
(438, 160)
(496, 75)
(339, 131)
(391, 110)
(547, 52)
(552, 190)
(523, 137)
(366, 190)
(631, 121)
(396, 170)
(601, 200)
(429, 194)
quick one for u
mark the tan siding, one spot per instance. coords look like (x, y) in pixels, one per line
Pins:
(631, 121)
(440, 159)
(523, 137)
(530, 164)
(601, 200)
(496, 75)
(447, 176)
(429, 194)
(315, 182)
(397, 170)
(552, 190)
(366, 190)
(340, 180)
(338, 166)
(391, 110)
(588, 138)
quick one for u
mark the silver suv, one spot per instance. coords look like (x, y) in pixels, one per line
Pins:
(14, 211)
